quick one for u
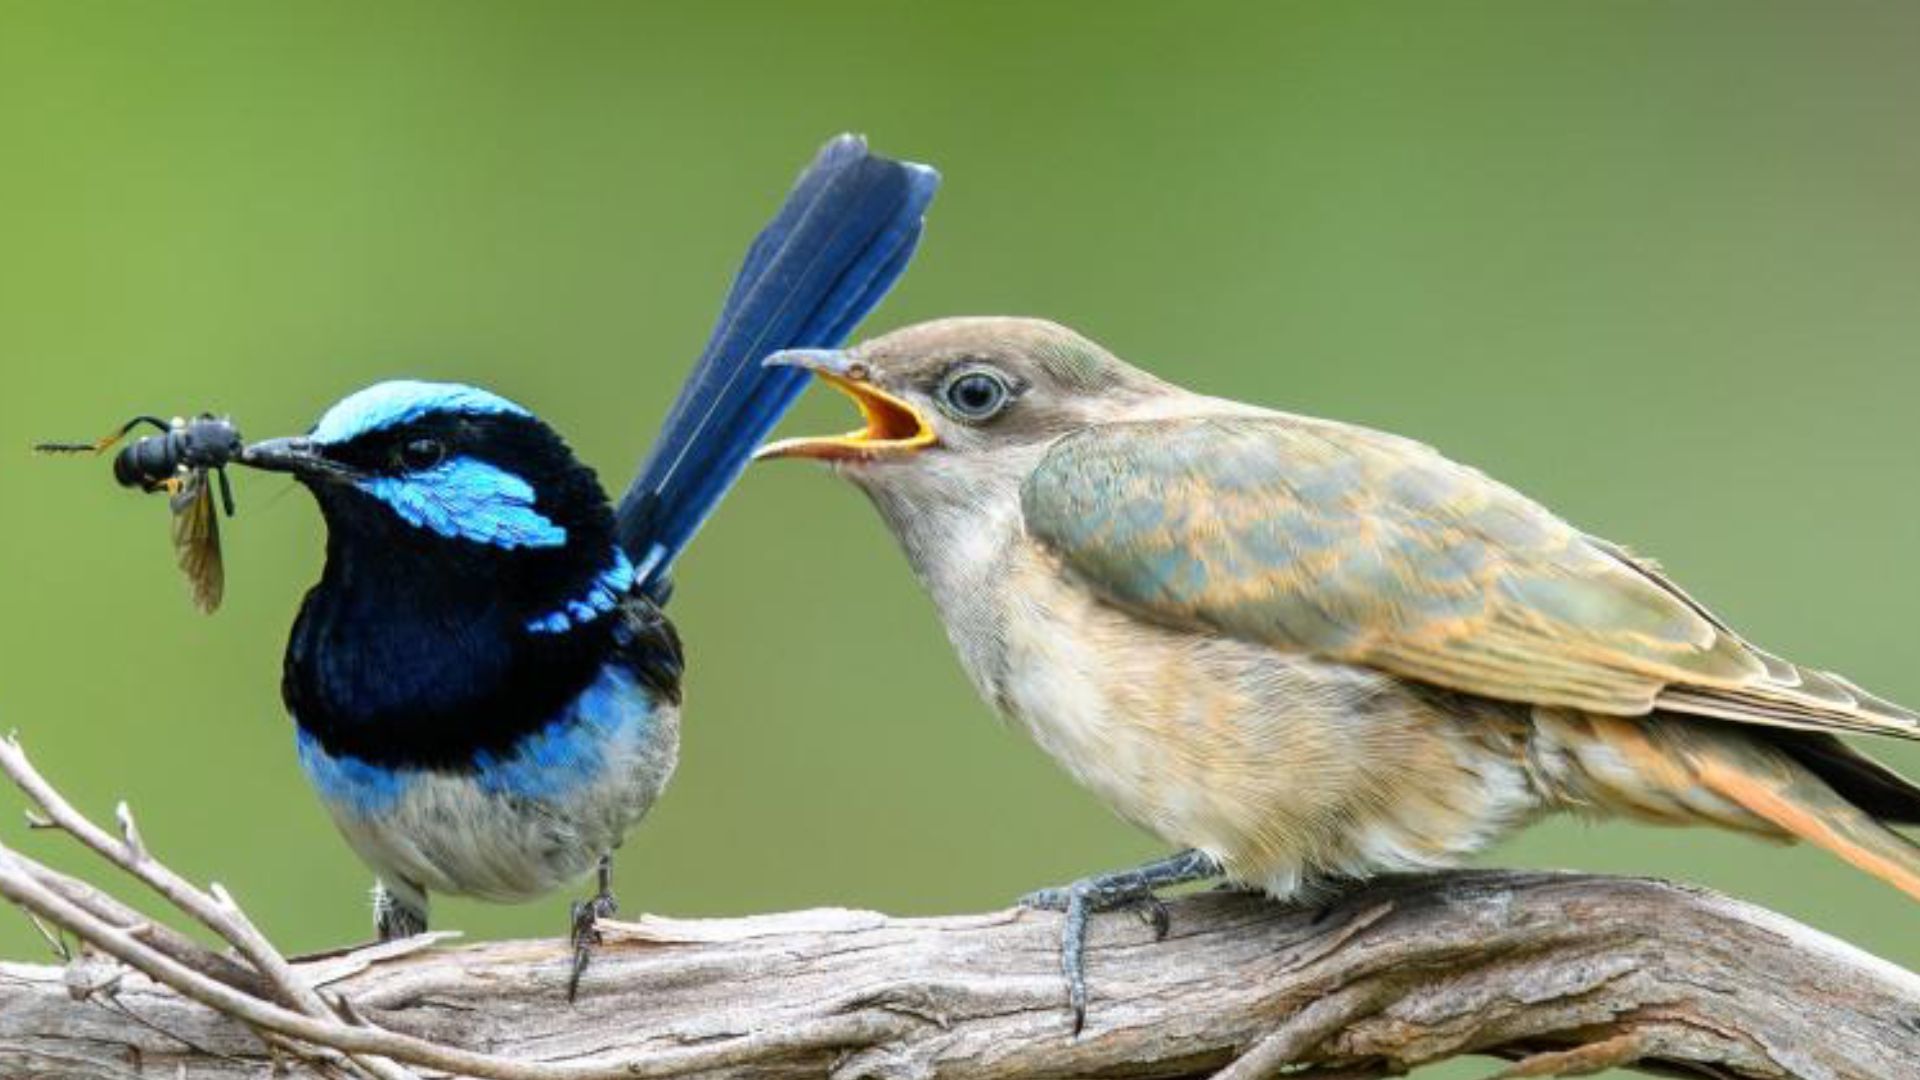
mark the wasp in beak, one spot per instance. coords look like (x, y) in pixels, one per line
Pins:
(892, 425)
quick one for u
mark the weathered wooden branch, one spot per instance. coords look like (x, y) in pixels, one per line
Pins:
(1557, 973)
(1595, 970)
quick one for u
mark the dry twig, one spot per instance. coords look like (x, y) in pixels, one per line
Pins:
(115, 930)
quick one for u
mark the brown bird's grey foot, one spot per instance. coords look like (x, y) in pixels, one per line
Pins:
(586, 913)
(1110, 892)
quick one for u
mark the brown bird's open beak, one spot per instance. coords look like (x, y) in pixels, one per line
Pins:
(892, 425)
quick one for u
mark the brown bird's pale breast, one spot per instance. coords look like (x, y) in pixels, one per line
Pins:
(1282, 767)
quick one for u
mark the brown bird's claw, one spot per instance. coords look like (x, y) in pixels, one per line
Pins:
(1110, 892)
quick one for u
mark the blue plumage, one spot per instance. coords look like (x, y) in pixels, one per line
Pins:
(605, 594)
(485, 691)
(468, 499)
(568, 753)
(387, 405)
(571, 752)
(346, 783)
(844, 236)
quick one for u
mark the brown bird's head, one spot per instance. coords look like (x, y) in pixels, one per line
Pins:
(957, 413)
(938, 392)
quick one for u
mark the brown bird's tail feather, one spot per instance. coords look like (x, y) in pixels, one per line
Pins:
(1685, 770)
(1789, 796)
(1862, 781)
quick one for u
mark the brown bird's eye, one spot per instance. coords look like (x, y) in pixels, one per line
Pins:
(416, 455)
(975, 395)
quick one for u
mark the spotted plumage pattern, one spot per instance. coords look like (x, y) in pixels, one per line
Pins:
(1347, 544)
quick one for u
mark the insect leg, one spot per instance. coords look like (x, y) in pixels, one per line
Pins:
(226, 491)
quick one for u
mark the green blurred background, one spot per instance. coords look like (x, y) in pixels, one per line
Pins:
(1654, 263)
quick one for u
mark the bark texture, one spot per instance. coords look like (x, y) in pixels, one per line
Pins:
(1559, 974)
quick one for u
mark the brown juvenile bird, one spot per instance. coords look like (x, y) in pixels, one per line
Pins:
(1308, 653)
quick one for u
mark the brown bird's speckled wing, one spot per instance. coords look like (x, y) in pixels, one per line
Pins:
(1367, 548)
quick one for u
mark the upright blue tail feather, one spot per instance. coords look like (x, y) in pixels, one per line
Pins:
(844, 235)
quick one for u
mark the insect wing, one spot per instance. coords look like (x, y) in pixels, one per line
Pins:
(196, 539)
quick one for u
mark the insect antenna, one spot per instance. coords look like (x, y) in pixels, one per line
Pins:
(103, 443)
